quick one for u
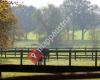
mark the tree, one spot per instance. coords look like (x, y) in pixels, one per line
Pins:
(48, 19)
(25, 18)
(7, 20)
(82, 14)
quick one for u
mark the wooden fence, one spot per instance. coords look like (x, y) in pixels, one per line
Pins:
(52, 69)
(94, 53)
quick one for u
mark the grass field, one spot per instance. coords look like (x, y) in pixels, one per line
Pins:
(60, 62)
(15, 74)
(62, 59)
(63, 62)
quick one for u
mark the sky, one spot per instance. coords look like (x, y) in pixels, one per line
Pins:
(40, 3)
(43, 3)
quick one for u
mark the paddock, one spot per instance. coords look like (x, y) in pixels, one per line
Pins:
(65, 60)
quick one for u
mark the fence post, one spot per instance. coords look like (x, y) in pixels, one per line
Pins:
(5, 54)
(85, 51)
(96, 58)
(92, 54)
(28, 50)
(57, 53)
(0, 75)
(21, 57)
(1, 51)
(70, 57)
(75, 55)
(15, 51)
(48, 56)
(44, 60)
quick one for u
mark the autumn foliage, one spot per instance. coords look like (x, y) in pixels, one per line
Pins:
(7, 22)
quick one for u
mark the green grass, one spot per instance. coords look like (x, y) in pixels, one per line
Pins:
(32, 36)
(60, 62)
(12, 59)
(17, 74)
(63, 62)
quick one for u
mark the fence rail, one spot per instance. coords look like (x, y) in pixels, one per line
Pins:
(71, 53)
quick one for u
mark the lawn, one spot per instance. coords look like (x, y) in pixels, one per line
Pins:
(63, 62)
(26, 61)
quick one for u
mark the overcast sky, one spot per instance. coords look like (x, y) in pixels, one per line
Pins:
(42, 3)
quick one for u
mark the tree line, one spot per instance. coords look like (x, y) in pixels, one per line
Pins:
(84, 17)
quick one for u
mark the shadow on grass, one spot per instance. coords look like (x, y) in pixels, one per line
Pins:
(57, 76)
